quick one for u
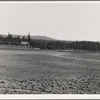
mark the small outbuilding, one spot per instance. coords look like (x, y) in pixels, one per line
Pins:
(25, 43)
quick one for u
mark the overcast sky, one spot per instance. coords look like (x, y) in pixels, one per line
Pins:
(65, 21)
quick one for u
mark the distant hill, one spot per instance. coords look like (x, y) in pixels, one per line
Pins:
(34, 37)
(42, 38)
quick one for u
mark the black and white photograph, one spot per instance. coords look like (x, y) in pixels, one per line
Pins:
(49, 47)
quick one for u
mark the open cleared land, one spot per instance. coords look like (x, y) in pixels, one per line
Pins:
(25, 70)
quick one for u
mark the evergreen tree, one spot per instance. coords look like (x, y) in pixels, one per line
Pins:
(9, 38)
(29, 38)
(23, 38)
(18, 39)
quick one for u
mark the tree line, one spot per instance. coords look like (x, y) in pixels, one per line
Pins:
(63, 45)
(51, 44)
(12, 40)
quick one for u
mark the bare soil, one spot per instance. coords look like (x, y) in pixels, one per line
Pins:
(27, 71)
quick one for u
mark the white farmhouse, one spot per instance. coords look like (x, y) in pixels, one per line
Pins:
(25, 43)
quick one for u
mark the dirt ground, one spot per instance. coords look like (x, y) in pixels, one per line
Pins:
(28, 71)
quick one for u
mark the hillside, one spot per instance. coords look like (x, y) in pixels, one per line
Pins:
(38, 37)
(42, 37)
(32, 37)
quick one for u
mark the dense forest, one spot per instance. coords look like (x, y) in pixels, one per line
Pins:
(50, 44)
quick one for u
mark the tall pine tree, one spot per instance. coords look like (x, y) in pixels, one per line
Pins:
(29, 38)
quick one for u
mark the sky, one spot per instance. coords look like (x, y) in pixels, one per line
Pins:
(64, 21)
